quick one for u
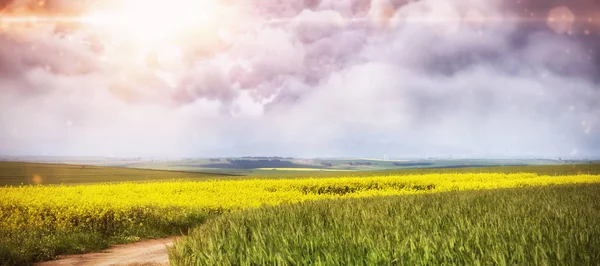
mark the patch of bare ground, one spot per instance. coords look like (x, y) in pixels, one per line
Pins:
(143, 253)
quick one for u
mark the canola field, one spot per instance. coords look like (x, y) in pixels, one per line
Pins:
(116, 205)
(40, 222)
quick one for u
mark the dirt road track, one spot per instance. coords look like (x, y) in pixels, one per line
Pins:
(150, 252)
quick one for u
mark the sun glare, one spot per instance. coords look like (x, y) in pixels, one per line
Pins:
(150, 21)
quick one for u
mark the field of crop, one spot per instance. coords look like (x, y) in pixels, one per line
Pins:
(555, 225)
(303, 169)
(20, 173)
(552, 170)
(40, 222)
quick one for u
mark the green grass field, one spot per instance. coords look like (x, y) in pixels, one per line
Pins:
(556, 225)
(19, 173)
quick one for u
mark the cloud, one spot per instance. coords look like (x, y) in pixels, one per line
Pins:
(313, 78)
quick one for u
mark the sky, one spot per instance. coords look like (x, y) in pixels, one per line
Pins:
(312, 78)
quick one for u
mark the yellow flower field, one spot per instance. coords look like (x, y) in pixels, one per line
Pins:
(109, 207)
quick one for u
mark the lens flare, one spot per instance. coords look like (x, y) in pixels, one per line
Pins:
(37, 179)
(143, 22)
(151, 21)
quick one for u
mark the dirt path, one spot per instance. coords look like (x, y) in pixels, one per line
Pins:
(150, 252)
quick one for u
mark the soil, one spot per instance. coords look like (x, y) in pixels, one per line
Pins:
(147, 253)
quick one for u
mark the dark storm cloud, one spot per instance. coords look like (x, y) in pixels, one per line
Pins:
(314, 78)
